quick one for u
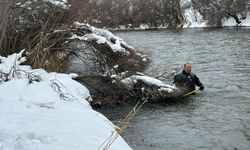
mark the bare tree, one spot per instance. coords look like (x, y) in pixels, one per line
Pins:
(88, 11)
(215, 10)
(172, 12)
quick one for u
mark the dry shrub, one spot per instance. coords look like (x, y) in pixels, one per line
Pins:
(43, 31)
(32, 26)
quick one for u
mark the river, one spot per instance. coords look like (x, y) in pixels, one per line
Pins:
(217, 118)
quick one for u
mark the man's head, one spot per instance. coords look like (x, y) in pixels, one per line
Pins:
(187, 68)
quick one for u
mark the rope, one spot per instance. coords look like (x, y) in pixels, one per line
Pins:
(122, 125)
(192, 92)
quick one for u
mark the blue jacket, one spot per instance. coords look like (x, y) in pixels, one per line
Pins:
(187, 81)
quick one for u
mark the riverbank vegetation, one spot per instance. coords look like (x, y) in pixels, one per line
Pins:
(110, 68)
(157, 13)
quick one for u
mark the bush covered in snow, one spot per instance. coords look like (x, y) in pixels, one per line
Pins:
(54, 43)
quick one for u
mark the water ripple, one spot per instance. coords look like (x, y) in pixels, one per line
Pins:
(219, 117)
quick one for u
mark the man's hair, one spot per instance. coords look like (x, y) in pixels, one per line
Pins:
(186, 64)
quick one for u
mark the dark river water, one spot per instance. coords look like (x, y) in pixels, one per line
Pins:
(217, 118)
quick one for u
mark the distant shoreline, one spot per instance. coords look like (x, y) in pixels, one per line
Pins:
(157, 29)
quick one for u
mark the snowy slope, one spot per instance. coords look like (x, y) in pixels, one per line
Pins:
(48, 111)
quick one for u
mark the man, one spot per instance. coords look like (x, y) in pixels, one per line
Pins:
(186, 80)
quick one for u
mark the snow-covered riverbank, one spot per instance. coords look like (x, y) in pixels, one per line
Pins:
(40, 110)
(193, 19)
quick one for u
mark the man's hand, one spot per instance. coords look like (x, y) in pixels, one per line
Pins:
(201, 87)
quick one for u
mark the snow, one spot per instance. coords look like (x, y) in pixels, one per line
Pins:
(60, 3)
(132, 80)
(228, 22)
(193, 17)
(102, 36)
(195, 20)
(231, 22)
(144, 26)
(40, 110)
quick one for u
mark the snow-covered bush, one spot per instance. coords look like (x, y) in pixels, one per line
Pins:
(52, 43)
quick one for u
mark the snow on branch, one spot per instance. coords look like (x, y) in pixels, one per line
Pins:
(9, 66)
(59, 3)
(131, 81)
(101, 36)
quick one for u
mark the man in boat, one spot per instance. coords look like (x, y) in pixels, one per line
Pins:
(186, 80)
